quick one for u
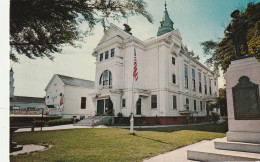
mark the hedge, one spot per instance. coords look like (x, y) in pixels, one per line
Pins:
(42, 123)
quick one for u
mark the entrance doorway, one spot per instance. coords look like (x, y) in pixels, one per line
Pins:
(138, 107)
(102, 105)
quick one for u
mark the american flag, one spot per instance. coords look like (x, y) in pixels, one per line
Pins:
(135, 72)
(61, 101)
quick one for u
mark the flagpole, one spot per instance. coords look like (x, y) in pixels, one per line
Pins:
(132, 107)
(132, 111)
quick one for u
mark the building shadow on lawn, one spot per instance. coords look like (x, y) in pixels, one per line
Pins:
(219, 128)
(152, 139)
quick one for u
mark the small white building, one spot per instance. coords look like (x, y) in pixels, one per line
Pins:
(172, 84)
(69, 97)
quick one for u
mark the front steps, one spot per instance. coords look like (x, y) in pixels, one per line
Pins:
(221, 150)
(223, 144)
(97, 120)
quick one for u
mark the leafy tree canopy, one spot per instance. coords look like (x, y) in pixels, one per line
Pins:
(39, 28)
(222, 53)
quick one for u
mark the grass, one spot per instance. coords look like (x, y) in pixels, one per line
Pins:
(113, 144)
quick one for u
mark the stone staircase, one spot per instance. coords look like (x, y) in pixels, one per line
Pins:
(98, 120)
(222, 150)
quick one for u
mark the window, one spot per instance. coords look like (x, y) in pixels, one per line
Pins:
(193, 80)
(201, 105)
(106, 55)
(106, 78)
(210, 92)
(200, 89)
(174, 102)
(173, 60)
(215, 83)
(112, 52)
(173, 79)
(47, 96)
(60, 94)
(154, 101)
(187, 103)
(205, 81)
(123, 102)
(195, 105)
(101, 57)
(83, 102)
(186, 75)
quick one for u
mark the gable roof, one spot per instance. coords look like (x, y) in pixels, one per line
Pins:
(76, 81)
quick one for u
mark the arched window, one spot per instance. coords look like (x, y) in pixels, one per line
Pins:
(106, 79)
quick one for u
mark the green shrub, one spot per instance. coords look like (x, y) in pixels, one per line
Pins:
(43, 123)
(39, 123)
(120, 118)
(225, 119)
(214, 117)
(58, 122)
(110, 121)
(120, 115)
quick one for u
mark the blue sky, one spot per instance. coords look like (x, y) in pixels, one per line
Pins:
(197, 21)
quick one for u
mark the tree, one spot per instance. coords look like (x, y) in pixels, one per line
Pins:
(39, 28)
(222, 53)
(222, 101)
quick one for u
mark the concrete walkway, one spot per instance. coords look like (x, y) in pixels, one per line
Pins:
(175, 155)
(71, 126)
(58, 127)
(28, 149)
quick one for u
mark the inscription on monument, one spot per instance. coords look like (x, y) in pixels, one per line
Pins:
(246, 100)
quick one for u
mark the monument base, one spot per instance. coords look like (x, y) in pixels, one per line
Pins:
(243, 122)
(248, 137)
(223, 144)
(222, 150)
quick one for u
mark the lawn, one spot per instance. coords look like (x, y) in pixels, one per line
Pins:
(113, 144)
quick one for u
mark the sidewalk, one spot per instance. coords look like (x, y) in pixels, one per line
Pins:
(58, 127)
(71, 126)
(175, 155)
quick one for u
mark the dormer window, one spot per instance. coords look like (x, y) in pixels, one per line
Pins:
(101, 57)
(106, 55)
(112, 52)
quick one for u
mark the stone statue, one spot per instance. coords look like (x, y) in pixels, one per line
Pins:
(127, 28)
(236, 30)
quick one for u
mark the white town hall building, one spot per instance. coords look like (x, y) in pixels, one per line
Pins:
(171, 81)
(172, 84)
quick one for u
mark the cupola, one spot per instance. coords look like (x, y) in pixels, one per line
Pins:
(166, 23)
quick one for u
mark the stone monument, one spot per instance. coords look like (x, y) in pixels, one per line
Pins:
(243, 100)
(243, 103)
